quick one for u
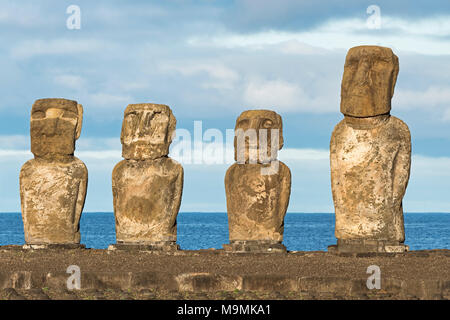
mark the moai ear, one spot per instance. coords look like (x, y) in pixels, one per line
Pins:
(121, 131)
(280, 136)
(79, 122)
(395, 74)
(171, 131)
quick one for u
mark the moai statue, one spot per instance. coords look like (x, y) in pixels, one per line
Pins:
(257, 186)
(53, 184)
(147, 185)
(370, 156)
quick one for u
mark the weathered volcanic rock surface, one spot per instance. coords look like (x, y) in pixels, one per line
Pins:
(215, 274)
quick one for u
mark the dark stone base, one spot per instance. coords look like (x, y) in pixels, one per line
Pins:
(155, 246)
(364, 246)
(202, 275)
(255, 246)
(56, 246)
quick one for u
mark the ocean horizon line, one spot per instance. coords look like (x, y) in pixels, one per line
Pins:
(289, 212)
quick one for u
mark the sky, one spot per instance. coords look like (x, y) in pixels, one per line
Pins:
(209, 61)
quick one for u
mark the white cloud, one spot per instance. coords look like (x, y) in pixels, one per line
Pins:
(8, 154)
(255, 40)
(296, 47)
(427, 190)
(29, 48)
(14, 142)
(431, 97)
(285, 96)
(104, 99)
(22, 142)
(277, 94)
(98, 143)
(425, 36)
(303, 154)
(100, 154)
(220, 76)
(97, 148)
(23, 14)
(70, 81)
(110, 15)
(431, 167)
(434, 98)
(438, 26)
(446, 115)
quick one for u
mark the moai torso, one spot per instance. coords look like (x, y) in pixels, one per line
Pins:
(147, 185)
(370, 154)
(370, 173)
(52, 196)
(258, 185)
(147, 197)
(53, 185)
(257, 203)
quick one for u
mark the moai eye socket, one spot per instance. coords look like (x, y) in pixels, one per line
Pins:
(267, 124)
(148, 119)
(130, 124)
(381, 65)
(131, 118)
(243, 124)
(157, 125)
(352, 62)
(69, 115)
(38, 115)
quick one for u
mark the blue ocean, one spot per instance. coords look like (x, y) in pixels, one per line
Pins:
(303, 231)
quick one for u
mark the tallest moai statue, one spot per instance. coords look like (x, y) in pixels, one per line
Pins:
(370, 156)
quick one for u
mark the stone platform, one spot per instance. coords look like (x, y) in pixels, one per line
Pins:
(217, 274)
(156, 246)
(360, 246)
(255, 246)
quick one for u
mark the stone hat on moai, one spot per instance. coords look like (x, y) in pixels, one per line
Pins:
(55, 125)
(370, 74)
(147, 131)
(252, 127)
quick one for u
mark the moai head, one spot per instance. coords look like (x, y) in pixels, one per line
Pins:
(258, 136)
(370, 74)
(147, 131)
(55, 125)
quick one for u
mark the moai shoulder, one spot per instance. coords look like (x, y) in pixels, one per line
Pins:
(53, 185)
(258, 185)
(370, 155)
(147, 185)
(163, 167)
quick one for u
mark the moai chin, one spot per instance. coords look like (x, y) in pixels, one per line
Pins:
(147, 185)
(370, 156)
(257, 186)
(53, 184)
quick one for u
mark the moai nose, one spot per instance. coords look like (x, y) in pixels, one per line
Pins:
(362, 73)
(144, 124)
(255, 125)
(140, 130)
(52, 127)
